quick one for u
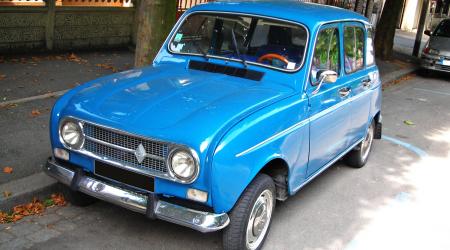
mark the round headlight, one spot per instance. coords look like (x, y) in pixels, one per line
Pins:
(183, 165)
(71, 134)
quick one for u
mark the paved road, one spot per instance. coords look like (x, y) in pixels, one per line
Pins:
(398, 201)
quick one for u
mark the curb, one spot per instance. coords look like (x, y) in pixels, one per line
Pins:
(25, 189)
(390, 77)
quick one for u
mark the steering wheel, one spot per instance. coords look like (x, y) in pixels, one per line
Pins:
(271, 56)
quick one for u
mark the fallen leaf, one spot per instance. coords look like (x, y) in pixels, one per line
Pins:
(74, 58)
(408, 122)
(2, 77)
(7, 194)
(58, 199)
(48, 202)
(35, 112)
(12, 105)
(7, 170)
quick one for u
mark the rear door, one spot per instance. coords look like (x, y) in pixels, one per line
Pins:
(359, 70)
(329, 114)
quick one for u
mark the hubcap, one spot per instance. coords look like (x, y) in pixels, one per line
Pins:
(367, 143)
(259, 220)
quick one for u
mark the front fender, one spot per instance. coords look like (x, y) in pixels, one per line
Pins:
(278, 131)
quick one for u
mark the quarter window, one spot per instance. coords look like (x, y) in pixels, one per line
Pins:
(370, 53)
(354, 49)
(326, 53)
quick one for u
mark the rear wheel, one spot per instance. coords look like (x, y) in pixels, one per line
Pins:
(251, 217)
(77, 198)
(358, 157)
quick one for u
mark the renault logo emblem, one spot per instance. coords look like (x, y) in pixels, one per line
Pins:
(140, 153)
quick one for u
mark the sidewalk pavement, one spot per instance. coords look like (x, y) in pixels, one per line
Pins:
(30, 85)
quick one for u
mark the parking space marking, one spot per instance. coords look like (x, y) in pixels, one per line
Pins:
(433, 91)
(406, 145)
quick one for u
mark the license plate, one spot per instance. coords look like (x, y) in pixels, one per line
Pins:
(124, 176)
(446, 62)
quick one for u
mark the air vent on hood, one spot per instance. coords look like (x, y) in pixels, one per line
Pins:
(227, 70)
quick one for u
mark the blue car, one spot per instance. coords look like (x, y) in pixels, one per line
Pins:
(245, 103)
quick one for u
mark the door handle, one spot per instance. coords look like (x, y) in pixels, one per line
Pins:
(344, 92)
(366, 83)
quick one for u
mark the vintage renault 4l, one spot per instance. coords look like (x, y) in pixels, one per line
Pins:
(245, 103)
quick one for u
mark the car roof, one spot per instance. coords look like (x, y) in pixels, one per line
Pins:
(310, 14)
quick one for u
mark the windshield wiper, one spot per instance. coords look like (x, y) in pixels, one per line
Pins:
(233, 35)
(196, 44)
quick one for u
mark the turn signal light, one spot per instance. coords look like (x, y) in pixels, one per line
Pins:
(197, 195)
(61, 153)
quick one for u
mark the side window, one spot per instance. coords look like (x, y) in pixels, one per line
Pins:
(370, 52)
(326, 53)
(354, 48)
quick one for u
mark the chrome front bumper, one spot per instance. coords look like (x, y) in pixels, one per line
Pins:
(141, 203)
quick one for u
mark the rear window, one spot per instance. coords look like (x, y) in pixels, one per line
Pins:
(443, 29)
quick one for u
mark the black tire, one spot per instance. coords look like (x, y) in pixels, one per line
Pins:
(235, 235)
(77, 198)
(359, 156)
(424, 72)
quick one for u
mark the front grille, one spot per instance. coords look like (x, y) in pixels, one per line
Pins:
(442, 67)
(119, 147)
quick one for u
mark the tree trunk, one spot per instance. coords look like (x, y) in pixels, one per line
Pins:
(359, 6)
(369, 9)
(384, 36)
(421, 28)
(155, 20)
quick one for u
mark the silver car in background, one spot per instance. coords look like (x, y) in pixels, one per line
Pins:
(436, 54)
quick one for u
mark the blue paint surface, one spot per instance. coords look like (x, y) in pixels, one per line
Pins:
(235, 125)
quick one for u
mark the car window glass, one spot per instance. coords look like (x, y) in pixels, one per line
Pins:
(443, 29)
(354, 49)
(262, 41)
(370, 52)
(326, 53)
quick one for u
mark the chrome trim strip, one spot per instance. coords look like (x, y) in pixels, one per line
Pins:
(181, 22)
(326, 166)
(199, 220)
(156, 157)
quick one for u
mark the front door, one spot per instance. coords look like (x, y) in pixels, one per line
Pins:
(329, 116)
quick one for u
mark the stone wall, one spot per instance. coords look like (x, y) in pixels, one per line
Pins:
(25, 29)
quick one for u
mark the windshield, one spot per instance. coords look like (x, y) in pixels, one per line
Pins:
(443, 29)
(252, 40)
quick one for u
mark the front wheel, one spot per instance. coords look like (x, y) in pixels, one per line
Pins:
(358, 157)
(250, 218)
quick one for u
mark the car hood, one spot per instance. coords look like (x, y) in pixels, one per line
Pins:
(440, 43)
(180, 105)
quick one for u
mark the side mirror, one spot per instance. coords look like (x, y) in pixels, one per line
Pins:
(427, 32)
(325, 76)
